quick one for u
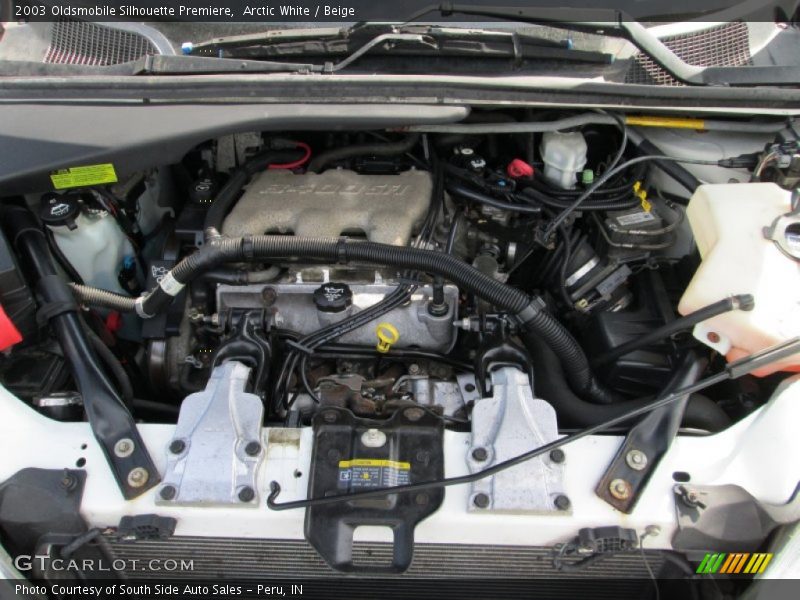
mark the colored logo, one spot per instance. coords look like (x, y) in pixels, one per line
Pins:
(734, 563)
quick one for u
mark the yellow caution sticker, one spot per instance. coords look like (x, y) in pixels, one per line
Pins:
(370, 473)
(83, 176)
(373, 462)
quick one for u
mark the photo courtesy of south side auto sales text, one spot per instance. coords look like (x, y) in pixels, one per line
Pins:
(157, 590)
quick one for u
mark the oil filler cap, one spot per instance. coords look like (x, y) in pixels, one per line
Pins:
(333, 297)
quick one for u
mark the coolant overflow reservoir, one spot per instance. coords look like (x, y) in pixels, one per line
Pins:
(564, 156)
(731, 225)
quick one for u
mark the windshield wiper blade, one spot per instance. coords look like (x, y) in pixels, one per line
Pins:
(205, 65)
(616, 23)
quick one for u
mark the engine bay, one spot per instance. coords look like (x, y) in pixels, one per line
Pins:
(284, 319)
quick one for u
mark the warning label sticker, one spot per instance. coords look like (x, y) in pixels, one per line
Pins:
(83, 176)
(366, 473)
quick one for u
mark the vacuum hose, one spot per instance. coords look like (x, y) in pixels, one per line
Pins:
(535, 322)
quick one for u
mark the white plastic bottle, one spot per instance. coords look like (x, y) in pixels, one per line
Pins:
(564, 156)
(728, 222)
(90, 239)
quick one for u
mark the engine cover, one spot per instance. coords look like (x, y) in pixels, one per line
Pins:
(385, 208)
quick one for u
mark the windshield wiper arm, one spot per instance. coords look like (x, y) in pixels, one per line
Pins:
(616, 23)
(197, 65)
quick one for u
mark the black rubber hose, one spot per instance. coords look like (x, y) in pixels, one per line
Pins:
(550, 384)
(740, 302)
(535, 322)
(462, 191)
(240, 276)
(703, 413)
(379, 149)
(625, 201)
(230, 191)
(113, 364)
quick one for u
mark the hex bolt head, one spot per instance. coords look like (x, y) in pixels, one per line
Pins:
(413, 369)
(269, 296)
(480, 454)
(562, 502)
(246, 494)
(636, 459)
(68, 481)
(137, 477)
(177, 446)
(557, 456)
(481, 500)
(252, 448)
(124, 448)
(620, 489)
(168, 492)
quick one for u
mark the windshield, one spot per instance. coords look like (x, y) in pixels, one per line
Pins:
(649, 42)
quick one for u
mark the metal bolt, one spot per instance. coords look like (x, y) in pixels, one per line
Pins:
(269, 296)
(168, 492)
(413, 414)
(124, 447)
(557, 456)
(68, 481)
(481, 500)
(413, 369)
(177, 446)
(620, 489)
(138, 477)
(562, 502)
(636, 459)
(252, 448)
(480, 454)
(246, 494)
(330, 416)
(713, 337)
(421, 499)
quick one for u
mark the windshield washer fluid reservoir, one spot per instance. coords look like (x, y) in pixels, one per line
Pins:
(728, 223)
(90, 240)
(564, 156)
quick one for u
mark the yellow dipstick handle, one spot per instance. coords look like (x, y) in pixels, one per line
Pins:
(387, 335)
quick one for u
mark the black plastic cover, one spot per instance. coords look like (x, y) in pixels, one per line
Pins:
(342, 463)
(15, 296)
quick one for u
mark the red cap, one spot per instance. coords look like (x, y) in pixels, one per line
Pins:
(113, 321)
(518, 169)
(9, 334)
